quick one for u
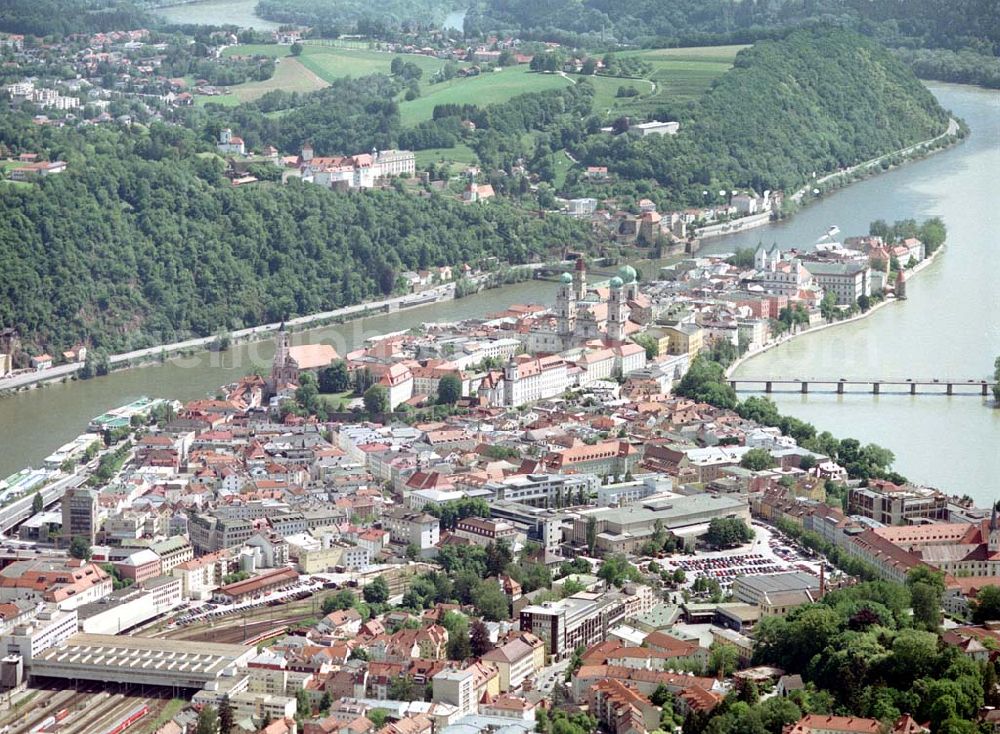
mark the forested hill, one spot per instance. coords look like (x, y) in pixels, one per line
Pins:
(62, 17)
(142, 240)
(814, 101)
(955, 24)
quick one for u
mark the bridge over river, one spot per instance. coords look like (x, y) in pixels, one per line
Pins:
(841, 385)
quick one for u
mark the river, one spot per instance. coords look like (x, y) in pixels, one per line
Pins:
(218, 12)
(948, 326)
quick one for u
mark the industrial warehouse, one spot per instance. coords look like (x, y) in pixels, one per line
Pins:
(141, 661)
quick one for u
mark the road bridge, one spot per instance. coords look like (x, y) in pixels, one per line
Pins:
(875, 386)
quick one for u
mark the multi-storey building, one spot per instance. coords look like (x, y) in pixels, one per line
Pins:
(410, 527)
(582, 619)
(79, 512)
(892, 504)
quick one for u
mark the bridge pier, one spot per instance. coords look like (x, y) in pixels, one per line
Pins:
(805, 387)
(985, 390)
(767, 387)
(732, 384)
(840, 387)
(913, 388)
(949, 391)
(875, 388)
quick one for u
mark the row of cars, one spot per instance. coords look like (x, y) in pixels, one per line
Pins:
(301, 589)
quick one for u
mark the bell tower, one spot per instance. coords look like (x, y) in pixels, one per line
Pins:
(616, 311)
(566, 306)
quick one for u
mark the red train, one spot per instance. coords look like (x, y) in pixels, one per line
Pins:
(132, 717)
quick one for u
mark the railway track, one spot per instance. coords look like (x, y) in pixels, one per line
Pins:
(45, 704)
(88, 721)
(111, 717)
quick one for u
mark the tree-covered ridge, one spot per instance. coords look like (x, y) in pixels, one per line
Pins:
(952, 24)
(62, 17)
(143, 240)
(815, 101)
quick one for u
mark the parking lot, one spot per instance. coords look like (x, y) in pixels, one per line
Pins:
(201, 611)
(770, 552)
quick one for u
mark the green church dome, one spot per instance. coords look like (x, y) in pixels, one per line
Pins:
(617, 282)
(566, 278)
(627, 274)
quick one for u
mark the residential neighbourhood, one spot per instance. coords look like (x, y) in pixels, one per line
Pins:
(547, 537)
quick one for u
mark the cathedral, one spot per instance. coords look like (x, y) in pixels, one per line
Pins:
(584, 314)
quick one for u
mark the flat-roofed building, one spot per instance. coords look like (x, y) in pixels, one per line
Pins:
(626, 529)
(582, 619)
(892, 504)
(141, 660)
(779, 593)
(49, 628)
(131, 606)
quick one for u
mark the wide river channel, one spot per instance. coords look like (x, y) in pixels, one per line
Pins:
(948, 327)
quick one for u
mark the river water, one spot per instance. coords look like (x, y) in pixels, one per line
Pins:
(949, 326)
(218, 12)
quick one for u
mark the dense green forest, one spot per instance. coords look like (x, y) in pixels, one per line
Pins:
(349, 116)
(143, 240)
(359, 16)
(62, 17)
(915, 23)
(814, 101)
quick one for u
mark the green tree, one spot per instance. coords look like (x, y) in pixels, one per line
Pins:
(227, 719)
(377, 400)
(449, 389)
(402, 688)
(490, 602)
(296, 49)
(378, 717)
(757, 460)
(377, 592)
(208, 721)
(37, 505)
(728, 532)
(723, 659)
(616, 570)
(926, 591)
(79, 547)
(591, 535)
(335, 378)
(459, 644)
(303, 704)
(479, 638)
(647, 342)
(987, 605)
(343, 599)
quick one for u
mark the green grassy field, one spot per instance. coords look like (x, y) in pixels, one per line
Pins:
(480, 90)
(331, 62)
(461, 155)
(562, 166)
(606, 89)
(290, 76)
(257, 49)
